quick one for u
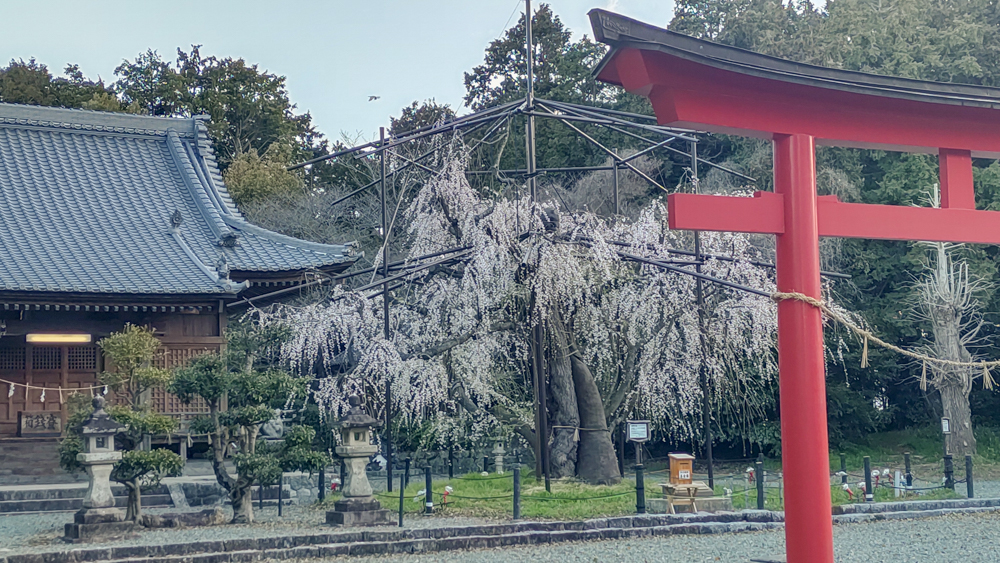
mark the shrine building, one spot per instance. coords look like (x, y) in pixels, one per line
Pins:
(107, 219)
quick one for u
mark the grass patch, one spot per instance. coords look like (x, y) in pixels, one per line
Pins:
(492, 497)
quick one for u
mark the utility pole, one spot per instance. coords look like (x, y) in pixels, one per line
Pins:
(706, 405)
(385, 309)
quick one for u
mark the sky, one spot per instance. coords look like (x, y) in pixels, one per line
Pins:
(334, 53)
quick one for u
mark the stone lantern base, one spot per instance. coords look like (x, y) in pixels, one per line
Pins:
(359, 512)
(92, 524)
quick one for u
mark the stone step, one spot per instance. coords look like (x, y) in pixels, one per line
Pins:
(55, 493)
(72, 504)
(416, 540)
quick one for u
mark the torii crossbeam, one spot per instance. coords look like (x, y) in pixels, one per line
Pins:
(703, 85)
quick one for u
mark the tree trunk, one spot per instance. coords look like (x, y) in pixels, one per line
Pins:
(955, 406)
(596, 462)
(564, 414)
(241, 498)
(133, 510)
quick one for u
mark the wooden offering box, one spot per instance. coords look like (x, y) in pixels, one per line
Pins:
(681, 468)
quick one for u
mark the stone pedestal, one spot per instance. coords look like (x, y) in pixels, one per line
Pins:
(359, 512)
(90, 524)
(358, 507)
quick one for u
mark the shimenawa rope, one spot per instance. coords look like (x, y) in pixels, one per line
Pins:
(865, 335)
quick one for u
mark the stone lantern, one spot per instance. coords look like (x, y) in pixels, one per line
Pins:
(98, 518)
(357, 507)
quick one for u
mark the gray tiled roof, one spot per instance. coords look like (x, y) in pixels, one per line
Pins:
(88, 201)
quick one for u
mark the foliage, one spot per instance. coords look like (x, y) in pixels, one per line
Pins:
(250, 109)
(131, 352)
(297, 453)
(31, 83)
(251, 178)
(253, 390)
(147, 467)
(78, 408)
(459, 357)
(923, 39)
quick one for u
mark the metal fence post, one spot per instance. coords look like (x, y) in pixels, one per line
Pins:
(640, 490)
(869, 493)
(517, 492)
(760, 484)
(402, 492)
(451, 463)
(843, 468)
(909, 474)
(968, 476)
(280, 484)
(260, 497)
(949, 472)
(406, 473)
(429, 496)
(322, 484)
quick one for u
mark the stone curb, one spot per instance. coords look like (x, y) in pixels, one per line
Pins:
(921, 505)
(421, 540)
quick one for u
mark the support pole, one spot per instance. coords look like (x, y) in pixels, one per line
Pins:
(517, 492)
(909, 474)
(699, 291)
(759, 474)
(402, 492)
(385, 309)
(406, 473)
(321, 493)
(843, 467)
(538, 337)
(805, 448)
(949, 472)
(280, 486)
(451, 462)
(640, 490)
(970, 492)
(869, 493)
(429, 491)
(614, 160)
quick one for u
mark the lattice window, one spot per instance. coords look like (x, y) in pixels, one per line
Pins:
(12, 358)
(46, 358)
(167, 403)
(83, 358)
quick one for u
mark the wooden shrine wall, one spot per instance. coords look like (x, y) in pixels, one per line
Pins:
(184, 336)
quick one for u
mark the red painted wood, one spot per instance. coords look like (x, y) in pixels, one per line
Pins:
(836, 219)
(957, 191)
(687, 94)
(804, 447)
(797, 116)
(763, 213)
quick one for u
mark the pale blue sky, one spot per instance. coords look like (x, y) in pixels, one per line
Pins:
(335, 53)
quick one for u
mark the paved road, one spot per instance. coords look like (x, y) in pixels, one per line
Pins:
(960, 538)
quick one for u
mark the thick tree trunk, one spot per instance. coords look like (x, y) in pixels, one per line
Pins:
(564, 413)
(955, 407)
(596, 462)
(133, 510)
(242, 501)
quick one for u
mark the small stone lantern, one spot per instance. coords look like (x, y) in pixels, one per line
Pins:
(498, 453)
(358, 507)
(98, 518)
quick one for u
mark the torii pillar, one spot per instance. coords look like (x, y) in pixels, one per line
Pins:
(706, 86)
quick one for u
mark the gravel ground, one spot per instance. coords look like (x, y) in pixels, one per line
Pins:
(23, 533)
(970, 538)
(966, 538)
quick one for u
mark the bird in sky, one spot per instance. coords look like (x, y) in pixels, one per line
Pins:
(373, 98)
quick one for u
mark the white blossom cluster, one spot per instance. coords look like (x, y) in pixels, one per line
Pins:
(459, 349)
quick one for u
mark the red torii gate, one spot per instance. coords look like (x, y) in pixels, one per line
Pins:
(706, 86)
